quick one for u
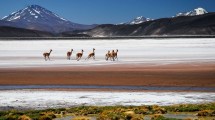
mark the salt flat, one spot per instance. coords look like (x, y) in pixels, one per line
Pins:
(155, 51)
(27, 99)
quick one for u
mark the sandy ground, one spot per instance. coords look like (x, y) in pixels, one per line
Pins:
(183, 74)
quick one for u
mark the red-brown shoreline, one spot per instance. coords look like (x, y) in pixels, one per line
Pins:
(181, 74)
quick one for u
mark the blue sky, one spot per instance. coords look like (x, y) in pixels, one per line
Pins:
(109, 11)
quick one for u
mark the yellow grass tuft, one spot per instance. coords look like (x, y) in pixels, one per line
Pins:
(24, 117)
(81, 118)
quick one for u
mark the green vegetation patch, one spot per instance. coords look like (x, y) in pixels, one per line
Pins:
(109, 112)
(190, 107)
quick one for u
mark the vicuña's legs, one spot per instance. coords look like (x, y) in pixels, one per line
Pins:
(87, 57)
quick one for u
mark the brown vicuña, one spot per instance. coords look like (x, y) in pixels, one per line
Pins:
(69, 53)
(115, 54)
(47, 54)
(91, 54)
(112, 55)
(107, 55)
(79, 55)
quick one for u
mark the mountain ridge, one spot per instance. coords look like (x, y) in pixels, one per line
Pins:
(138, 20)
(141, 19)
(6, 31)
(182, 25)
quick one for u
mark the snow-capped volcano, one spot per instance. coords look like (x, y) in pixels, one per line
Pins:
(197, 11)
(38, 18)
(138, 20)
(34, 13)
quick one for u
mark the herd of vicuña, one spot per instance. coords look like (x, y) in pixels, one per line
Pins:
(108, 56)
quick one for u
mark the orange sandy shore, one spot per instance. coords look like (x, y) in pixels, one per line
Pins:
(183, 74)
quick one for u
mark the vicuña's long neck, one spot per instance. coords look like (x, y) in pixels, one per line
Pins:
(50, 52)
(93, 51)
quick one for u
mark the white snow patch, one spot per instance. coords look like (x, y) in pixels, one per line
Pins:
(197, 11)
(14, 18)
(17, 17)
(4, 17)
(32, 13)
(38, 12)
(63, 19)
(60, 17)
(120, 23)
(56, 15)
(200, 11)
(13, 12)
(138, 20)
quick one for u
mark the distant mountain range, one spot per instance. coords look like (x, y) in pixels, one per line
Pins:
(182, 25)
(36, 21)
(141, 19)
(35, 17)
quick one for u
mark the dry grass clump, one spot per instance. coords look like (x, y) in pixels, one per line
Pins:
(161, 117)
(110, 115)
(81, 118)
(130, 115)
(188, 119)
(158, 110)
(118, 115)
(206, 113)
(24, 117)
(145, 110)
(157, 117)
(47, 116)
(85, 110)
(137, 117)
